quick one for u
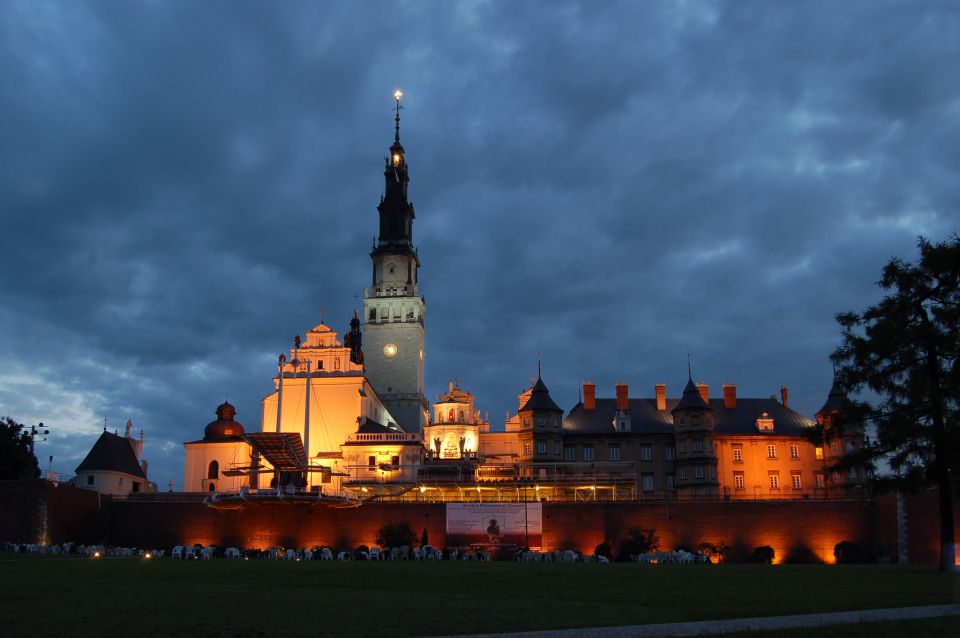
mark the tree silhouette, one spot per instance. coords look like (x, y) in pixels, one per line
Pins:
(904, 349)
(16, 459)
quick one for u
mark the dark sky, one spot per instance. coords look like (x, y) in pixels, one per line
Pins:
(184, 184)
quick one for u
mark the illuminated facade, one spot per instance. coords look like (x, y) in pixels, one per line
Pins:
(366, 429)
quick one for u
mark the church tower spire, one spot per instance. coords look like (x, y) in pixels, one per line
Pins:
(393, 307)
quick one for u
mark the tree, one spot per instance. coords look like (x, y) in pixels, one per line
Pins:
(639, 540)
(904, 349)
(17, 460)
(396, 535)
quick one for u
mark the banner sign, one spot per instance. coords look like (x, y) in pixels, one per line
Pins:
(492, 525)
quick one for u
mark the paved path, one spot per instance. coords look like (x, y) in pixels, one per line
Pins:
(715, 627)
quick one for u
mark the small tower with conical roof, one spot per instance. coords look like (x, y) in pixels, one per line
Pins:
(839, 440)
(696, 460)
(541, 435)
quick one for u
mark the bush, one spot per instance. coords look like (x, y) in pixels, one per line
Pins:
(603, 549)
(716, 552)
(847, 552)
(639, 540)
(763, 554)
(396, 535)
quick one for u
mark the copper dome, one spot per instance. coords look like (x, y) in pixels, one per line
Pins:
(224, 426)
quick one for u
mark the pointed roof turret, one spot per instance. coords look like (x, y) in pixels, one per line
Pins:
(691, 399)
(836, 399)
(540, 398)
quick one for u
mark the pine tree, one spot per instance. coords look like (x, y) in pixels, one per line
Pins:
(904, 350)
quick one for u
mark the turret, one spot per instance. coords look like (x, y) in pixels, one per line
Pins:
(696, 461)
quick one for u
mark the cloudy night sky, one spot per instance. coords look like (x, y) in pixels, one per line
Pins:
(185, 184)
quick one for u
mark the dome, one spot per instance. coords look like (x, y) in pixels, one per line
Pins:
(224, 426)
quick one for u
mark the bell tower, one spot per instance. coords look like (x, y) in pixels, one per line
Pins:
(393, 308)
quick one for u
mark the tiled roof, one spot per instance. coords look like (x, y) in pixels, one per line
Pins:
(646, 419)
(111, 453)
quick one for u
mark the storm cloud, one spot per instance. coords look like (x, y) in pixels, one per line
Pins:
(612, 185)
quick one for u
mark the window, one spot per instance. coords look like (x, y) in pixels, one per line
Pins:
(120, 482)
(646, 453)
(320, 364)
(683, 474)
(372, 461)
(373, 315)
(555, 422)
(698, 472)
(526, 422)
(774, 481)
(336, 364)
(682, 446)
(588, 454)
(698, 446)
(136, 486)
(395, 460)
(541, 448)
(410, 315)
(568, 453)
(671, 482)
(669, 452)
(738, 455)
(818, 452)
(556, 447)
(212, 488)
(853, 472)
(795, 481)
(90, 479)
(794, 452)
(526, 448)
(833, 447)
(648, 482)
(821, 481)
(738, 480)
(771, 451)
(541, 421)
(614, 452)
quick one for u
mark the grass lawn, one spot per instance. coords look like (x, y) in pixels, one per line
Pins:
(64, 596)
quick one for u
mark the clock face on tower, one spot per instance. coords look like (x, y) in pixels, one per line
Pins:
(390, 350)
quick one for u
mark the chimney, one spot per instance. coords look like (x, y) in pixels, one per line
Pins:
(785, 396)
(729, 396)
(704, 392)
(661, 390)
(589, 395)
(623, 400)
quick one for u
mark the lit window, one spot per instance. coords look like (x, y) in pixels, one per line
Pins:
(698, 446)
(646, 453)
(738, 455)
(698, 472)
(647, 482)
(795, 481)
(794, 452)
(771, 451)
(774, 481)
(669, 452)
(818, 451)
(568, 454)
(738, 480)
(541, 448)
(526, 448)
(614, 453)
(588, 454)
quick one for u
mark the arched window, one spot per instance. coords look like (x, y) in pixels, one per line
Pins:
(213, 470)
(451, 416)
(460, 414)
(212, 488)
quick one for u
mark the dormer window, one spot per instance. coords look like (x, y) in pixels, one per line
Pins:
(764, 422)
